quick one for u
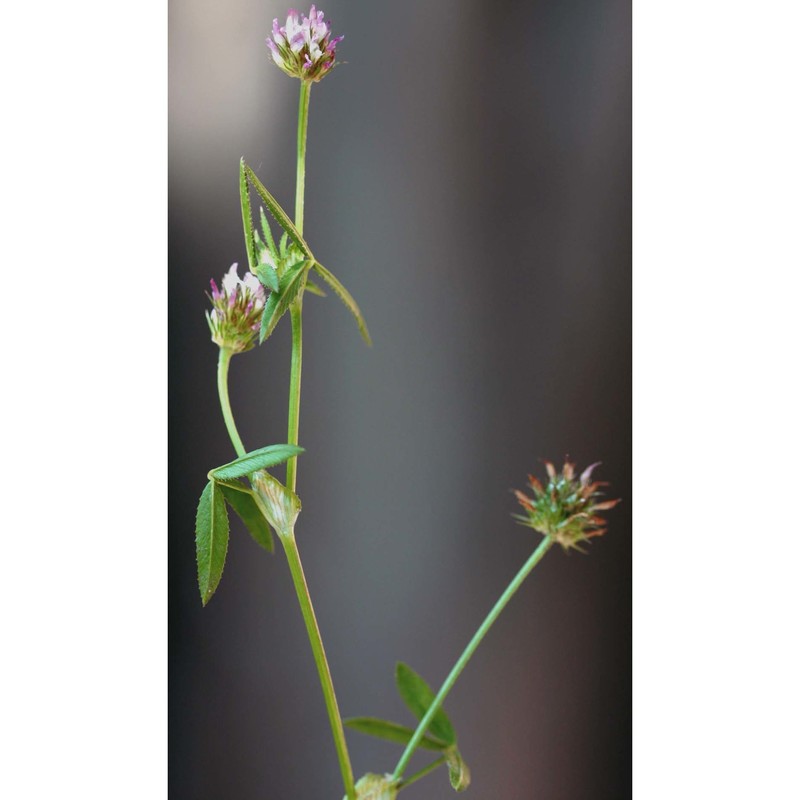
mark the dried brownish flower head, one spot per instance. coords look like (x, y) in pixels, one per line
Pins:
(566, 508)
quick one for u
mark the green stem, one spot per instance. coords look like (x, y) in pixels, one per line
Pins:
(222, 388)
(292, 436)
(288, 540)
(302, 130)
(317, 648)
(422, 773)
(297, 307)
(509, 592)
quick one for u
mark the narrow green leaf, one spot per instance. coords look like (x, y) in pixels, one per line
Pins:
(211, 540)
(235, 484)
(281, 217)
(268, 276)
(459, 772)
(314, 289)
(247, 510)
(345, 297)
(278, 302)
(247, 218)
(268, 235)
(284, 245)
(418, 696)
(263, 458)
(391, 731)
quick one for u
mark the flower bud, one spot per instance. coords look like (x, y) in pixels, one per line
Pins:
(235, 317)
(303, 48)
(565, 509)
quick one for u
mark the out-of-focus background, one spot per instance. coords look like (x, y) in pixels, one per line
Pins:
(469, 181)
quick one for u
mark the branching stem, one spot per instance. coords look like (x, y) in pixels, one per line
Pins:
(422, 773)
(463, 660)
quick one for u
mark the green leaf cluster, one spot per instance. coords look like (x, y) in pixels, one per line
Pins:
(293, 260)
(224, 488)
(440, 735)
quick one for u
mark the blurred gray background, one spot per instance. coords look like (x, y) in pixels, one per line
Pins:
(469, 181)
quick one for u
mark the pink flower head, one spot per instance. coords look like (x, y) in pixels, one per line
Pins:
(303, 47)
(235, 317)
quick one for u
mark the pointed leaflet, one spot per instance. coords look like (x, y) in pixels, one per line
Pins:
(391, 731)
(345, 297)
(263, 458)
(314, 289)
(247, 510)
(268, 276)
(459, 772)
(268, 235)
(417, 695)
(280, 215)
(278, 302)
(211, 539)
(247, 218)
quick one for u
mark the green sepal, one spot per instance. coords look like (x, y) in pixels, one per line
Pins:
(392, 732)
(418, 696)
(281, 217)
(278, 302)
(241, 500)
(211, 539)
(345, 297)
(263, 458)
(268, 277)
(459, 771)
(247, 218)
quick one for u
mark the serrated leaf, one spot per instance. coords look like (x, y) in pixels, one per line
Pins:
(281, 217)
(247, 510)
(418, 696)
(211, 539)
(247, 218)
(278, 302)
(268, 276)
(268, 235)
(263, 458)
(459, 772)
(314, 289)
(391, 731)
(284, 245)
(345, 297)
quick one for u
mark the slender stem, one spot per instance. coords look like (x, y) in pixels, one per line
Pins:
(222, 388)
(302, 129)
(297, 307)
(422, 773)
(509, 592)
(292, 436)
(314, 636)
(288, 540)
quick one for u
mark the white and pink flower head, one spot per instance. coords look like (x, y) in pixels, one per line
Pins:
(303, 48)
(235, 318)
